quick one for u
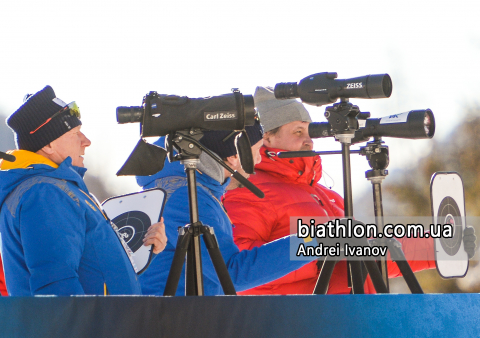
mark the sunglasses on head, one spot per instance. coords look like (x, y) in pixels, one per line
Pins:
(72, 108)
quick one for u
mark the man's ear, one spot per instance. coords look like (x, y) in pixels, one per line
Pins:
(266, 139)
(233, 161)
(47, 149)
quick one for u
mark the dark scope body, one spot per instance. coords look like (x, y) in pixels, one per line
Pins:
(415, 124)
(163, 114)
(324, 88)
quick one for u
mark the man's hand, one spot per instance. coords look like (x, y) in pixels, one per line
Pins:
(469, 241)
(156, 236)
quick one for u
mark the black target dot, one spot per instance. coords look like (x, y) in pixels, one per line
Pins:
(133, 226)
(449, 213)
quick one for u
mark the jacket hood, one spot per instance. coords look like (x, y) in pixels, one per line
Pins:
(177, 169)
(306, 170)
(29, 164)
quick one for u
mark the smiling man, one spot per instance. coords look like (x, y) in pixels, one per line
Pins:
(56, 239)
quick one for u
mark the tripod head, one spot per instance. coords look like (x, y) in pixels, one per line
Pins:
(189, 149)
(148, 159)
(343, 120)
(377, 156)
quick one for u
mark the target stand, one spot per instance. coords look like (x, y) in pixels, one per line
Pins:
(448, 208)
(132, 215)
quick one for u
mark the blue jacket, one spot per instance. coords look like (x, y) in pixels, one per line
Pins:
(55, 239)
(247, 268)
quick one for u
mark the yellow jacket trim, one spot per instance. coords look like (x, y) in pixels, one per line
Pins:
(25, 159)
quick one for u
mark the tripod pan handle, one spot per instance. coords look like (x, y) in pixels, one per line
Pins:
(250, 186)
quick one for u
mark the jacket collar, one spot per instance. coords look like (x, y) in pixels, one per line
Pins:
(25, 159)
(307, 170)
(29, 164)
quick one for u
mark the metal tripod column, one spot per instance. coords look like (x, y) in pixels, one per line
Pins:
(347, 180)
(376, 177)
(355, 267)
(193, 270)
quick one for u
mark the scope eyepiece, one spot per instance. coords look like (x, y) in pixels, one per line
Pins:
(249, 110)
(319, 129)
(286, 90)
(129, 114)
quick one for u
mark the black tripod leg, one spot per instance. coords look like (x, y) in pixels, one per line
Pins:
(357, 277)
(376, 276)
(191, 266)
(177, 262)
(407, 272)
(324, 278)
(218, 261)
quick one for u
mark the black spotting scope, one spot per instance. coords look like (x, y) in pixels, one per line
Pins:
(163, 114)
(324, 88)
(415, 124)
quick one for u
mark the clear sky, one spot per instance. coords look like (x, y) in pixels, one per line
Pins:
(105, 54)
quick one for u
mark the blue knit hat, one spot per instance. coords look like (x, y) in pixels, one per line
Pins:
(215, 140)
(37, 109)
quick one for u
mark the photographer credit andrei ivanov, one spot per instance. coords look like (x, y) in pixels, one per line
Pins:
(56, 239)
(291, 188)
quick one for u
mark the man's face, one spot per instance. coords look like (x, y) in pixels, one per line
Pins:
(234, 163)
(73, 144)
(292, 136)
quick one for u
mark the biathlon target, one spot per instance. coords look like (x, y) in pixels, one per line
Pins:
(448, 213)
(448, 207)
(133, 214)
(132, 226)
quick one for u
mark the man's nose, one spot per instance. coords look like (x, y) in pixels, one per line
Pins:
(308, 141)
(86, 142)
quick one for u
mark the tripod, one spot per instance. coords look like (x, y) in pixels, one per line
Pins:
(188, 244)
(343, 120)
(377, 156)
(342, 123)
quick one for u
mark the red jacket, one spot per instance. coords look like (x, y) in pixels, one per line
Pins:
(3, 286)
(291, 189)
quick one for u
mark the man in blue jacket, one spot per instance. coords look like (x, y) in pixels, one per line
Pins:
(56, 238)
(247, 268)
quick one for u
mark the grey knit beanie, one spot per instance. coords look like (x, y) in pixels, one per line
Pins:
(276, 113)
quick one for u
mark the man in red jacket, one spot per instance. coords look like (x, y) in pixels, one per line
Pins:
(291, 189)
